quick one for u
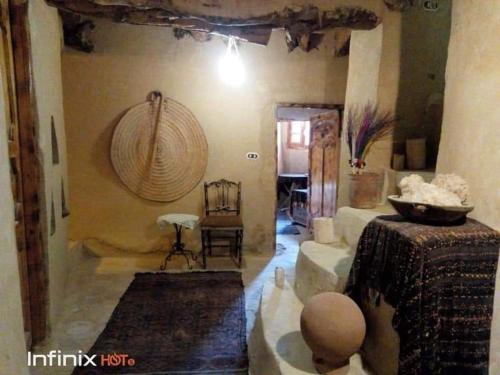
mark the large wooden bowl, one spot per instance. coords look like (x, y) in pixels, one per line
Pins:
(429, 214)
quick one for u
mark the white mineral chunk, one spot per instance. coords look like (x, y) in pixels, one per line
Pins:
(415, 189)
(454, 183)
(410, 183)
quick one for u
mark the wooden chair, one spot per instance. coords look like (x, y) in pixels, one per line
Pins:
(222, 221)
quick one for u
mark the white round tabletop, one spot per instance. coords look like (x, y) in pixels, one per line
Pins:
(185, 220)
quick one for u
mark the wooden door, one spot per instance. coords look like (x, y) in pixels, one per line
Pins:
(324, 156)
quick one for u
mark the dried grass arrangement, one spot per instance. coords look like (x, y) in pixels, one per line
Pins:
(365, 126)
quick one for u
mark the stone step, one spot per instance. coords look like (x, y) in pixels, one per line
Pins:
(350, 222)
(321, 268)
(325, 267)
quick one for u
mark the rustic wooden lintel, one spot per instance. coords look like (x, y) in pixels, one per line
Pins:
(77, 31)
(304, 25)
(399, 5)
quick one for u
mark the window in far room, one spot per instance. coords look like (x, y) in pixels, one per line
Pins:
(298, 134)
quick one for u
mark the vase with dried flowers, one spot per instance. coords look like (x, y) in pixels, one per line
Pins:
(365, 126)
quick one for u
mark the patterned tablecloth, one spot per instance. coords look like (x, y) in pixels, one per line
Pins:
(441, 282)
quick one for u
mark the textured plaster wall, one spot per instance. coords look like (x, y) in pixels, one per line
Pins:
(373, 77)
(12, 344)
(389, 72)
(362, 84)
(424, 45)
(46, 45)
(470, 138)
(129, 62)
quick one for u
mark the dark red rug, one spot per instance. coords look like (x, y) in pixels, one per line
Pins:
(175, 323)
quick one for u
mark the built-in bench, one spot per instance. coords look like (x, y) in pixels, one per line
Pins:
(320, 268)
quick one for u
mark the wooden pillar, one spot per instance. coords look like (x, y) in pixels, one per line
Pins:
(31, 168)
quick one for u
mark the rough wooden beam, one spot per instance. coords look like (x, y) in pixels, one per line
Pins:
(304, 25)
(77, 31)
(399, 5)
(342, 42)
(31, 169)
(14, 149)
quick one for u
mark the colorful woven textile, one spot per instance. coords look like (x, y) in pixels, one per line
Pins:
(441, 282)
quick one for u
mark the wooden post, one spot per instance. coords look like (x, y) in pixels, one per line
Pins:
(15, 161)
(31, 168)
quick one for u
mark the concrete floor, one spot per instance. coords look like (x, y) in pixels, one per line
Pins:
(95, 285)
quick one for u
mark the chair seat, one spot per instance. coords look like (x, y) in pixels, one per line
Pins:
(221, 222)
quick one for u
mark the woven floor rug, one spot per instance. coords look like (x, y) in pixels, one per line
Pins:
(177, 323)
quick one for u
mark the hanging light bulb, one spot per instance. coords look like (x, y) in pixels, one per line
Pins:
(231, 69)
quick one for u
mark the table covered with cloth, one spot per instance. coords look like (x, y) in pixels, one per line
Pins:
(441, 282)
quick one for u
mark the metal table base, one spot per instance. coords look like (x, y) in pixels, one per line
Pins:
(178, 248)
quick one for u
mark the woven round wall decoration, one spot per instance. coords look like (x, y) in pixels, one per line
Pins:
(159, 150)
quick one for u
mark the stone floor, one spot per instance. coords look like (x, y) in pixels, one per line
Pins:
(96, 284)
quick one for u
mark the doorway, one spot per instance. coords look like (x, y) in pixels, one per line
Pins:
(293, 166)
(307, 153)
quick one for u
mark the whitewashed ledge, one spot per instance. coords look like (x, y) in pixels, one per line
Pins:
(321, 268)
(350, 222)
(325, 267)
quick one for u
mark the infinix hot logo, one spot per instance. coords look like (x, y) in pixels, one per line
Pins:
(113, 360)
(57, 358)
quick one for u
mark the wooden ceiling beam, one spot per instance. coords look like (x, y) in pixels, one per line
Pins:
(304, 25)
(399, 5)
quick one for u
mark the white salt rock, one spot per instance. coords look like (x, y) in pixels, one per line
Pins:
(409, 183)
(454, 183)
(414, 189)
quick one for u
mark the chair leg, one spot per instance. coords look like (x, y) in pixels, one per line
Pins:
(203, 248)
(209, 234)
(239, 247)
(233, 245)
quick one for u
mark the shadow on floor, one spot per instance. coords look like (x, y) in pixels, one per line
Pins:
(292, 349)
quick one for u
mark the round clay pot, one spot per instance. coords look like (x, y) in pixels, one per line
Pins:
(363, 190)
(333, 327)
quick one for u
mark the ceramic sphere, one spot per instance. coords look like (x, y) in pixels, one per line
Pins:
(333, 326)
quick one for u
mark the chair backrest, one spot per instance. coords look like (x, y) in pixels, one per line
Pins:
(222, 197)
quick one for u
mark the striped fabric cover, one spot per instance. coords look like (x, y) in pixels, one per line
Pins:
(441, 281)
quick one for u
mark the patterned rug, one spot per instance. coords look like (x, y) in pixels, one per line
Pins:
(176, 323)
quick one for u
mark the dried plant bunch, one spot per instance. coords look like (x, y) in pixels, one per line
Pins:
(365, 126)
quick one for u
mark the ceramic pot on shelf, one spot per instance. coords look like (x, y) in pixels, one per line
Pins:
(416, 153)
(398, 162)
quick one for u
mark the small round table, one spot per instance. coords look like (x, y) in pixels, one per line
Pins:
(179, 221)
